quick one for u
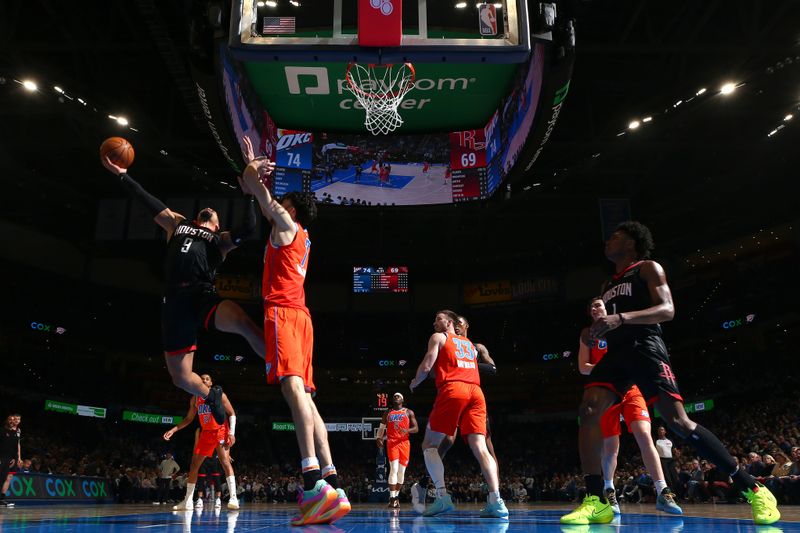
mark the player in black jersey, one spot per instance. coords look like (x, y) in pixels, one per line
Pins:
(195, 249)
(637, 299)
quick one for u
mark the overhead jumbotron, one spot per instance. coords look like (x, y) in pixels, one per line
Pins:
(387, 102)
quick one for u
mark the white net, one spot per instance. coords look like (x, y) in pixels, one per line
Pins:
(380, 89)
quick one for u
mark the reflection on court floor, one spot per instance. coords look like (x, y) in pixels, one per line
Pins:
(107, 518)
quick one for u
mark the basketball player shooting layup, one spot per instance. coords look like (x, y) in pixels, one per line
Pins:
(195, 250)
(290, 343)
(397, 424)
(459, 405)
(638, 298)
(213, 436)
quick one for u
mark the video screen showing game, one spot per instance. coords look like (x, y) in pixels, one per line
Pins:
(380, 279)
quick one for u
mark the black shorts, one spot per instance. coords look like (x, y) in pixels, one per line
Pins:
(183, 312)
(643, 362)
(6, 469)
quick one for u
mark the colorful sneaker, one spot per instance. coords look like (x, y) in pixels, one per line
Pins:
(233, 503)
(497, 509)
(611, 496)
(338, 510)
(418, 494)
(765, 507)
(314, 503)
(185, 505)
(666, 502)
(442, 504)
(591, 511)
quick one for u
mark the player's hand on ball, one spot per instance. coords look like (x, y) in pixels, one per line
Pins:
(114, 169)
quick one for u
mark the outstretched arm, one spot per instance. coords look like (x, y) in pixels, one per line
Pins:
(186, 421)
(435, 342)
(162, 215)
(283, 227)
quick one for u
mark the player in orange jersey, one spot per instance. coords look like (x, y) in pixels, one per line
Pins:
(397, 424)
(213, 436)
(633, 409)
(459, 405)
(290, 342)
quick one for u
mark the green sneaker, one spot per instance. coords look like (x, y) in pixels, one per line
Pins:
(765, 507)
(591, 511)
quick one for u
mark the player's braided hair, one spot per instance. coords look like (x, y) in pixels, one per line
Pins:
(304, 205)
(641, 234)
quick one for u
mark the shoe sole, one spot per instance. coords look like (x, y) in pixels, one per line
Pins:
(316, 518)
(445, 510)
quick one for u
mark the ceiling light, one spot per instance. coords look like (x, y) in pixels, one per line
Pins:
(260, 4)
(58, 89)
(112, 117)
(728, 88)
(29, 85)
(701, 91)
(295, 3)
(122, 121)
(647, 119)
(633, 125)
(271, 3)
(461, 5)
(788, 117)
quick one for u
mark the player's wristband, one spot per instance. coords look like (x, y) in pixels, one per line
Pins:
(232, 425)
(621, 319)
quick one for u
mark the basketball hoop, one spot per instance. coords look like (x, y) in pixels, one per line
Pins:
(380, 89)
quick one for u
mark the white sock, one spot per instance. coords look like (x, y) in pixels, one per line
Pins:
(660, 485)
(392, 493)
(494, 496)
(608, 483)
(232, 486)
(189, 491)
(435, 469)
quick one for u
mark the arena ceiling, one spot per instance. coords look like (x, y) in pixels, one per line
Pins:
(698, 171)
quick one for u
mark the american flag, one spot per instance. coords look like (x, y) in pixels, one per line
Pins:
(278, 25)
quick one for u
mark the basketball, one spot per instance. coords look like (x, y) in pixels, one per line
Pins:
(118, 150)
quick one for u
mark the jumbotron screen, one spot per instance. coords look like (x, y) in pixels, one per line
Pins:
(380, 279)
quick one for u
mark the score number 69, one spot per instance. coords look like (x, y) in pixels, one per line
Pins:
(468, 160)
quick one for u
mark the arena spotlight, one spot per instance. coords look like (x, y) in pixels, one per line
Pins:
(788, 117)
(728, 88)
(701, 91)
(461, 5)
(30, 85)
(122, 121)
(58, 89)
(271, 3)
(647, 119)
(259, 4)
(633, 125)
(295, 3)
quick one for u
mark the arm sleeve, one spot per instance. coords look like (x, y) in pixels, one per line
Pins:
(245, 229)
(486, 368)
(134, 190)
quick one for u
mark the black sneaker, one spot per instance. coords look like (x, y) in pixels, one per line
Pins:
(214, 403)
(611, 496)
(391, 503)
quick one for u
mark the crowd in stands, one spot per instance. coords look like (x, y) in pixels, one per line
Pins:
(764, 436)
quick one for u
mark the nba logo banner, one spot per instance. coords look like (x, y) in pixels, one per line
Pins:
(380, 22)
(487, 17)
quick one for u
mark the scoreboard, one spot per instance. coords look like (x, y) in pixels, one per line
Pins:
(380, 279)
(468, 165)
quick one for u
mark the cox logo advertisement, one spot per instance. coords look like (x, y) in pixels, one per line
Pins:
(48, 487)
(223, 358)
(554, 356)
(731, 324)
(47, 328)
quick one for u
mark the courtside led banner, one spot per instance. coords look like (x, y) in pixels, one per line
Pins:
(28, 486)
(74, 409)
(150, 418)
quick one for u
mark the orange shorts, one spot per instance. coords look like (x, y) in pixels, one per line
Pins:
(460, 406)
(289, 338)
(209, 440)
(398, 451)
(632, 408)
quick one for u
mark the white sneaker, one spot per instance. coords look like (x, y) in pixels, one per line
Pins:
(185, 505)
(199, 504)
(418, 498)
(233, 503)
(217, 503)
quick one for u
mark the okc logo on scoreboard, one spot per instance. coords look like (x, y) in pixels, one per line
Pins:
(294, 149)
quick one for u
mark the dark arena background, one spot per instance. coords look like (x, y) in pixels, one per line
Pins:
(531, 131)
